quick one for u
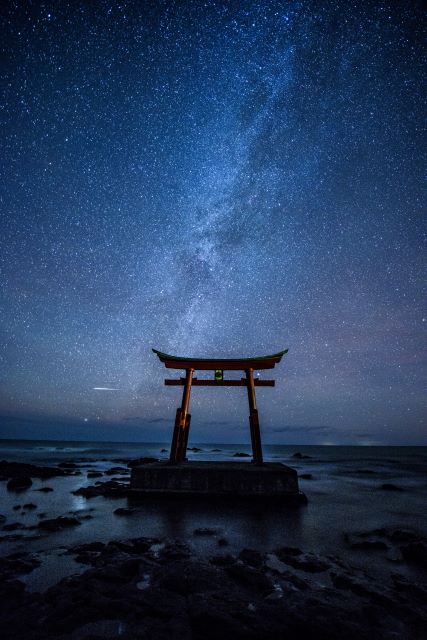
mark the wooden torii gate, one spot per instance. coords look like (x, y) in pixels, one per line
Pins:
(219, 365)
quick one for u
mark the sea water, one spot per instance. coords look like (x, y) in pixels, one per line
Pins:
(344, 495)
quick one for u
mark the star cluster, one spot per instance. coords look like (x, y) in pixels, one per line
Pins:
(213, 178)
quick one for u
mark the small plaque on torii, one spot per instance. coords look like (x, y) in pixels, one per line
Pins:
(218, 366)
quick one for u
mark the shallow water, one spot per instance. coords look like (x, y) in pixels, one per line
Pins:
(344, 495)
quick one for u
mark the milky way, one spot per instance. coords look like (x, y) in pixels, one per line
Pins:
(213, 178)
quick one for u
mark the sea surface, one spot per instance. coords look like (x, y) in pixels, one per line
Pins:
(344, 495)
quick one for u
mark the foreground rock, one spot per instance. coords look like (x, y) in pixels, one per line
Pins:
(142, 589)
(57, 524)
(19, 483)
(20, 470)
(110, 489)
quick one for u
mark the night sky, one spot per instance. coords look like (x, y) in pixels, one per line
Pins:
(212, 179)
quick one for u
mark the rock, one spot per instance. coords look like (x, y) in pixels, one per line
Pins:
(288, 551)
(223, 561)
(57, 524)
(67, 465)
(414, 552)
(17, 563)
(2, 518)
(138, 461)
(13, 526)
(116, 470)
(110, 489)
(239, 454)
(403, 535)
(194, 449)
(301, 456)
(94, 474)
(163, 451)
(223, 542)
(306, 476)
(29, 505)
(19, 483)
(251, 557)
(369, 545)
(19, 469)
(204, 531)
(216, 450)
(368, 541)
(303, 561)
(250, 577)
(17, 507)
(388, 486)
(44, 489)
(124, 511)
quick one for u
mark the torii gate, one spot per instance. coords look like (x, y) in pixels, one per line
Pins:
(219, 365)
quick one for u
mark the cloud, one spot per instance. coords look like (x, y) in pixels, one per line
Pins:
(321, 429)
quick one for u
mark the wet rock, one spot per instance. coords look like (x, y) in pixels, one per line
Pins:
(163, 451)
(369, 545)
(19, 469)
(223, 560)
(250, 577)
(414, 552)
(44, 489)
(306, 476)
(19, 483)
(2, 518)
(240, 454)
(67, 465)
(116, 471)
(94, 474)
(125, 511)
(216, 450)
(138, 461)
(223, 542)
(16, 507)
(366, 541)
(186, 577)
(17, 563)
(252, 557)
(110, 489)
(301, 456)
(303, 561)
(388, 486)
(194, 449)
(288, 551)
(57, 524)
(204, 531)
(30, 506)
(402, 535)
(13, 526)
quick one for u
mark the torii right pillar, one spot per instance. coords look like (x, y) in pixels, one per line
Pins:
(253, 418)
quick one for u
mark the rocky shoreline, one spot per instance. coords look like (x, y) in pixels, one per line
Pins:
(154, 589)
(157, 588)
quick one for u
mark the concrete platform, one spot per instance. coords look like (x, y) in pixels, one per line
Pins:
(224, 479)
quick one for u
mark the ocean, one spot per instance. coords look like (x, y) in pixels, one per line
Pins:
(344, 487)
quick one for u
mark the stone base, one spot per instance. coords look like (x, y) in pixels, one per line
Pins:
(234, 479)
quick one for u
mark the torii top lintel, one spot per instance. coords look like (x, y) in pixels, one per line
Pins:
(260, 362)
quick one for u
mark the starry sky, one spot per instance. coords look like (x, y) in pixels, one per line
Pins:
(217, 178)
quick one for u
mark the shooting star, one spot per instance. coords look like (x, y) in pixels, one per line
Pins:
(105, 389)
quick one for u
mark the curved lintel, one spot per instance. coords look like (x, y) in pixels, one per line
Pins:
(259, 362)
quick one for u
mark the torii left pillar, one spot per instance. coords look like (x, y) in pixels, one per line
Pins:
(182, 423)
